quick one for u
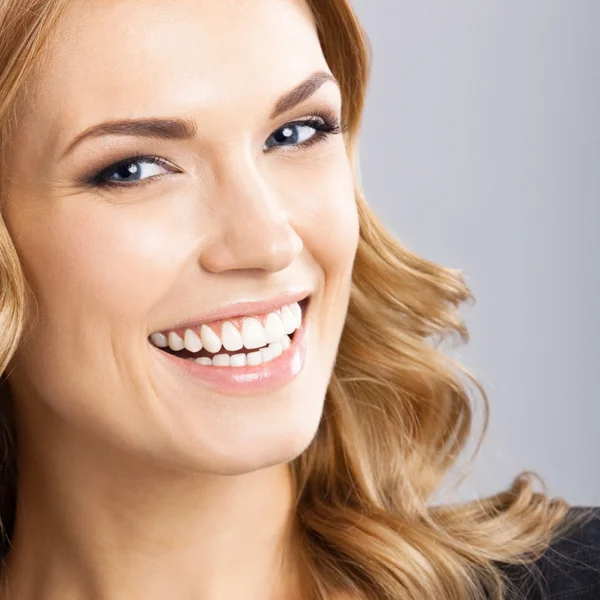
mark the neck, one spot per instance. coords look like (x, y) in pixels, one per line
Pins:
(95, 523)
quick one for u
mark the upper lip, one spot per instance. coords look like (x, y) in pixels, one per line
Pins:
(244, 308)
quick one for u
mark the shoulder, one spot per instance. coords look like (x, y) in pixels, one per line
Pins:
(570, 566)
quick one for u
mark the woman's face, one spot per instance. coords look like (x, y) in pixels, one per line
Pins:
(238, 208)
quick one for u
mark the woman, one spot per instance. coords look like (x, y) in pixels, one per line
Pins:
(219, 377)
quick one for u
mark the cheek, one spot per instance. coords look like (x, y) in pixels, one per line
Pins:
(95, 271)
(328, 218)
(109, 261)
(330, 231)
(90, 270)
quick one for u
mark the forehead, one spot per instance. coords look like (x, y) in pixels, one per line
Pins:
(112, 59)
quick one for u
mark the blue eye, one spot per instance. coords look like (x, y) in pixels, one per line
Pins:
(134, 169)
(298, 133)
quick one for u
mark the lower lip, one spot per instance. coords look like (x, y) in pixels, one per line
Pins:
(248, 380)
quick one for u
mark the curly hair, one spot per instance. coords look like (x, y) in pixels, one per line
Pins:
(397, 413)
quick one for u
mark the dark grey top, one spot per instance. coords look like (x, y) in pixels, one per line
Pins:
(570, 567)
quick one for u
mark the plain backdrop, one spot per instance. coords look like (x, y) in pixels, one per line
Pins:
(480, 150)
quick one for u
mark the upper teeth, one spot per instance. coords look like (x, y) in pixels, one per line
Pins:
(256, 332)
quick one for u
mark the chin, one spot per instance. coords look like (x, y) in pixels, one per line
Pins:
(276, 431)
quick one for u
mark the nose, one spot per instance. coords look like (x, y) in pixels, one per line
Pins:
(253, 229)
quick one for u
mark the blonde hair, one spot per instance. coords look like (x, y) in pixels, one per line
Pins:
(396, 415)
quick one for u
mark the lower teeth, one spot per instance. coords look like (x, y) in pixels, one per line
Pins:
(264, 355)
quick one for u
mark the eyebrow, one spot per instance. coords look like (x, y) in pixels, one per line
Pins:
(185, 129)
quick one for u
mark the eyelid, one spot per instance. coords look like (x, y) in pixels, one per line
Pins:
(326, 114)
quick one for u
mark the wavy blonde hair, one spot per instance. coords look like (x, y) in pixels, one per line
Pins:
(397, 414)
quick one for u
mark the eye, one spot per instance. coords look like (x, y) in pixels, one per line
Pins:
(303, 133)
(131, 170)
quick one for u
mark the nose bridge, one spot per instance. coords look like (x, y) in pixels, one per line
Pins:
(255, 232)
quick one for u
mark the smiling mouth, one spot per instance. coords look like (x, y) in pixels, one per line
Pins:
(247, 352)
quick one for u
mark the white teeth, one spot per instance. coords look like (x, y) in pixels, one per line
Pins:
(238, 360)
(231, 337)
(254, 358)
(273, 328)
(175, 341)
(288, 320)
(191, 341)
(259, 357)
(266, 354)
(253, 333)
(221, 360)
(270, 340)
(159, 340)
(277, 348)
(210, 340)
(297, 312)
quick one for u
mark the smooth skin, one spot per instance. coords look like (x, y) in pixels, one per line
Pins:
(137, 482)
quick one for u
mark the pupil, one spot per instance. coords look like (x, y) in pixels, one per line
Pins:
(124, 171)
(286, 134)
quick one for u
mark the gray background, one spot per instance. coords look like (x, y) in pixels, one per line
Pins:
(481, 151)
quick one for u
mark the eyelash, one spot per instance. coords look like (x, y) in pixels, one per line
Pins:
(325, 125)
